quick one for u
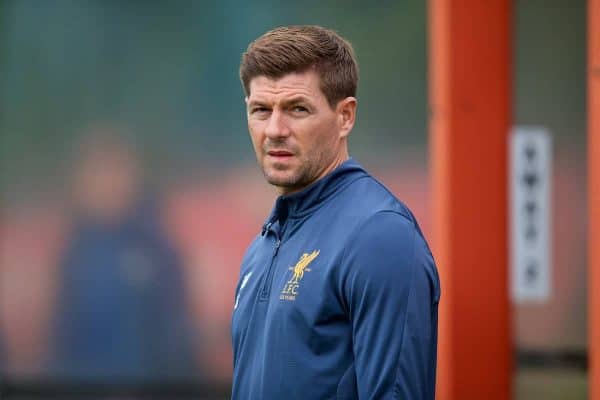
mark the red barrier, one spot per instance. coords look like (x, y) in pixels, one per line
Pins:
(470, 96)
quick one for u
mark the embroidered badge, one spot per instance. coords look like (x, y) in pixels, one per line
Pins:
(290, 290)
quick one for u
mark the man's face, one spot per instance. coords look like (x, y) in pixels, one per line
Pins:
(106, 183)
(298, 138)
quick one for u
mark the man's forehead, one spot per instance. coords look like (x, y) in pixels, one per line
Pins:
(292, 84)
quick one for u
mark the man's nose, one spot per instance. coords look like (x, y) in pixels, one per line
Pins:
(277, 125)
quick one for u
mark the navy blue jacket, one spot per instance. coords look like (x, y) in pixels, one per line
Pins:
(337, 298)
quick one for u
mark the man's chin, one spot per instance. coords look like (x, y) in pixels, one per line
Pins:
(280, 180)
(283, 181)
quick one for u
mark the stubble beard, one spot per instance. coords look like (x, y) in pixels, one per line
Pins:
(303, 175)
(290, 181)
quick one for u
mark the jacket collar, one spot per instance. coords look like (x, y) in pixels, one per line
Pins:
(304, 202)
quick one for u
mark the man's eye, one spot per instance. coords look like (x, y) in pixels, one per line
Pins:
(300, 109)
(259, 110)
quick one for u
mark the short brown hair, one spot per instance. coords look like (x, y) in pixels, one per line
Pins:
(298, 48)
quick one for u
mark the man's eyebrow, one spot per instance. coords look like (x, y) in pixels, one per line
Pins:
(296, 99)
(285, 102)
(257, 103)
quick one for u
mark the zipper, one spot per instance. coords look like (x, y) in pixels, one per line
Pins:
(266, 289)
(266, 228)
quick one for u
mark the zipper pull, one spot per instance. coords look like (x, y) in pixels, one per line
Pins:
(266, 228)
(277, 245)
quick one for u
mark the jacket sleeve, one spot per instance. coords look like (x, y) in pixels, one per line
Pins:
(391, 292)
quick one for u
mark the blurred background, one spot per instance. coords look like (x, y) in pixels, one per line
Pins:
(129, 189)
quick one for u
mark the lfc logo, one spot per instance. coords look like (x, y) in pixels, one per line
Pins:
(290, 290)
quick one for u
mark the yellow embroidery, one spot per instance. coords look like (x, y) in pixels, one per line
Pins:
(290, 290)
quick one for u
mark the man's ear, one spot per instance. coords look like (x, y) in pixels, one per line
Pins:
(346, 110)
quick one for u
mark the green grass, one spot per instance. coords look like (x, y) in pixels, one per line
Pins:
(539, 384)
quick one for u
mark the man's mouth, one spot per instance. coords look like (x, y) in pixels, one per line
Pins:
(280, 154)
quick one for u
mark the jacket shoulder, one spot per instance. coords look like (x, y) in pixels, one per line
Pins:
(367, 197)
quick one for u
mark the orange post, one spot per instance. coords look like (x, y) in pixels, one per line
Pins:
(470, 97)
(594, 195)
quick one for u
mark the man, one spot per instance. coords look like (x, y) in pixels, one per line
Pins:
(121, 311)
(338, 295)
